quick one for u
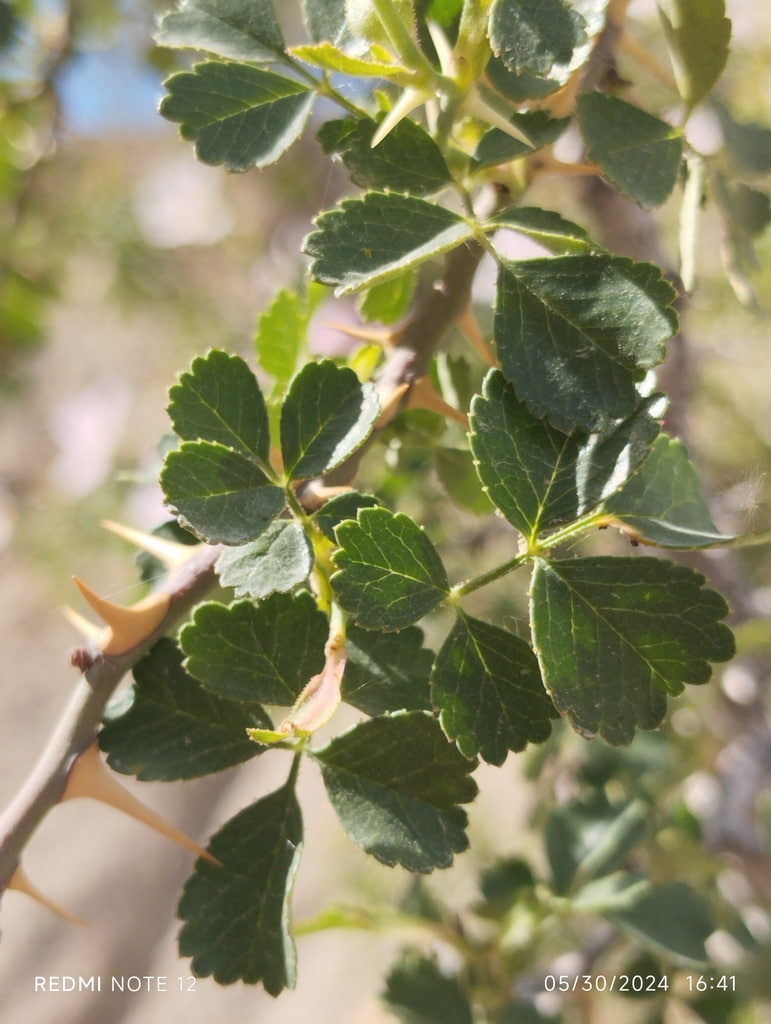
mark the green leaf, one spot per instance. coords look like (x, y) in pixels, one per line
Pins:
(327, 414)
(219, 494)
(574, 334)
(670, 920)
(171, 728)
(237, 29)
(389, 573)
(390, 300)
(395, 784)
(264, 652)
(546, 227)
(406, 160)
(236, 913)
(640, 154)
(342, 506)
(279, 560)
(748, 143)
(614, 635)
(379, 236)
(237, 114)
(488, 689)
(387, 672)
(540, 477)
(281, 332)
(417, 992)
(497, 146)
(332, 58)
(534, 35)
(698, 35)
(662, 503)
(220, 400)
(456, 472)
(325, 19)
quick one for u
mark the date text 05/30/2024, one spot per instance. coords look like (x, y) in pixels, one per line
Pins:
(113, 983)
(636, 983)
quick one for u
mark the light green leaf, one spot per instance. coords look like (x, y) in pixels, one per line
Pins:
(390, 300)
(540, 477)
(456, 473)
(169, 727)
(379, 236)
(614, 635)
(277, 561)
(236, 913)
(639, 153)
(406, 160)
(487, 687)
(237, 114)
(387, 672)
(669, 920)
(418, 992)
(698, 34)
(237, 29)
(396, 783)
(497, 146)
(332, 58)
(389, 573)
(748, 143)
(575, 333)
(281, 332)
(220, 494)
(534, 35)
(662, 503)
(264, 652)
(549, 229)
(327, 414)
(219, 400)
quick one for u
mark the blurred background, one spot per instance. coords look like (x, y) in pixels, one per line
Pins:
(121, 258)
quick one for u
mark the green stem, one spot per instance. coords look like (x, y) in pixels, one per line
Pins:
(477, 582)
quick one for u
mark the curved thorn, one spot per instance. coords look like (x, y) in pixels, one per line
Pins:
(172, 554)
(128, 626)
(21, 883)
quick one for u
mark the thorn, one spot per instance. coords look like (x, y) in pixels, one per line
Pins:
(411, 98)
(424, 395)
(389, 405)
(169, 552)
(21, 883)
(373, 335)
(467, 323)
(83, 625)
(127, 626)
(476, 105)
(90, 777)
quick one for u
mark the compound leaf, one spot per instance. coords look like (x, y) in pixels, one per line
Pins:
(395, 783)
(387, 672)
(219, 400)
(277, 561)
(698, 34)
(171, 728)
(250, 652)
(237, 29)
(368, 240)
(326, 415)
(389, 573)
(574, 334)
(488, 689)
(236, 913)
(662, 503)
(237, 114)
(639, 153)
(615, 635)
(534, 35)
(222, 495)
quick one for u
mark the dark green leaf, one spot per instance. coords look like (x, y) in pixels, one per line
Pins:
(326, 415)
(172, 728)
(501, 886)
(519, 87)
(417, 992)
(534, 35)
(387, 672)
(237, 115)
(614, 635)
(497, 147)
(547, 228)
(325, 19)
(279, 560)
(238, 29)
(389, 573)
(488, 689)
(379, 236)
(219, 494)
(748, 144)
(342, 506)
(538, 476)
(662, 503)
(406, 160)
(236, 913)
(698, 34)
(220, 400)
(396, 783)
(264, 652)
(639, 153)
(574, 334)
(455, 469)
(670, 920)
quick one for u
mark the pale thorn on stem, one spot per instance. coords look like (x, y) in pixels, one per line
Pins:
(407, 102)
(475, 105)
(169, 552)
(389, 405)
(21, 883)
(467, 323)
(423, 395)
(383, 336)
(128, 626)
(89, 777)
